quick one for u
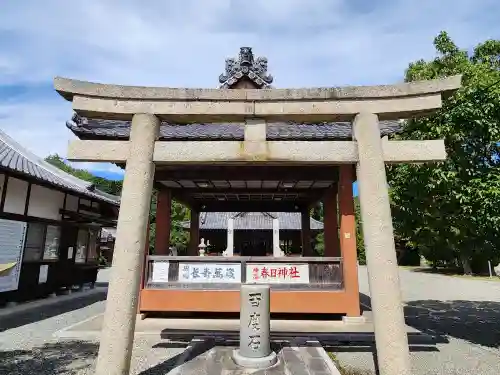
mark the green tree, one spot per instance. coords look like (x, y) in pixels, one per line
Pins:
(450, 211)
(103, 184)
(179, 237)
(360, 243)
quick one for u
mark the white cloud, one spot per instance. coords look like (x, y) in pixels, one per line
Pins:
(184, 43)
(37, 124)
(98, 167)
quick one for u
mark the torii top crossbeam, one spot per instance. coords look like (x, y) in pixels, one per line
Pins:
(389, 102)
(255, 107)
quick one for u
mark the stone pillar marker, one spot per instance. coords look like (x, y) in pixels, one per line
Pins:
(255, 326)
(390, 329)
(117, 336)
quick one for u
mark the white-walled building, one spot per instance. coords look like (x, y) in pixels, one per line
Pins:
(50, 224)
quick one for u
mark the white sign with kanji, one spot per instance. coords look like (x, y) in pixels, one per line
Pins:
(160, 271)
(277, 273)
(210, 272)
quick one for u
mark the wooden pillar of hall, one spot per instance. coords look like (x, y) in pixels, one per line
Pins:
(348, 239)
(144, 269)
(194, 233)
(331, 225)
(163, 223)
(306, 233)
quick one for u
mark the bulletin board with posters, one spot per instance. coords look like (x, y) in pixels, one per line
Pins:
(12, 236)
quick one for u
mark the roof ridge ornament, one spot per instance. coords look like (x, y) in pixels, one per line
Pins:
(246, 66)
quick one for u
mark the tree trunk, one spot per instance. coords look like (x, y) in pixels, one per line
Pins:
(466, 265)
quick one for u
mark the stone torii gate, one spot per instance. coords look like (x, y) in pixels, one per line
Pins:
(364, 106)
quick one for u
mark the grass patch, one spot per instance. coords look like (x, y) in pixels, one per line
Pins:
(348, 370)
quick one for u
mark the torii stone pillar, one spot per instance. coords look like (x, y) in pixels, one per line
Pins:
(121, 307)
(390, 329)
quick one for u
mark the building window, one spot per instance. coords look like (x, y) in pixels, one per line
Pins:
(82, 246)
(52, 239)
(42, 242)
(35, 236)
(93, 239)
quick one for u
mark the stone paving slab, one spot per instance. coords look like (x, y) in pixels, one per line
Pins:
(175, 329)
(155, 325)
(213, 357)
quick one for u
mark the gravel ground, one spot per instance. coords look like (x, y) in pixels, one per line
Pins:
(27, 345)
(464, 313)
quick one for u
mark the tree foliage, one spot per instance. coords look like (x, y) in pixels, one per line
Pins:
(450, 210)
(103, 184)
(360, 243)
(179, 237)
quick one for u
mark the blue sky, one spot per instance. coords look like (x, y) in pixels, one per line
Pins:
(184, 43)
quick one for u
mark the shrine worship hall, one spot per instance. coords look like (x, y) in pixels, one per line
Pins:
(310, 283)
(306, 283)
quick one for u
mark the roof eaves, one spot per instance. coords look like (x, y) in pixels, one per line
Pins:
(33, 166)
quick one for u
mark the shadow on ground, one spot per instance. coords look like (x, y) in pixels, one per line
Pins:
(475, 321)
(179, 359)
(74, 357)
(44, 312)
(59, 358)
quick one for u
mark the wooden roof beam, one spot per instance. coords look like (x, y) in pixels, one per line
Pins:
(250, 206)
(248, 173)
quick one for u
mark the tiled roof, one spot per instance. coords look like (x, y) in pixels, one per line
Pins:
(253, 221)
(16, 158)
(102, 129)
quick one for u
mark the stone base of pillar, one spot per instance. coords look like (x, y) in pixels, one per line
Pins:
(141, 316)
(353, 320)
(255, 363)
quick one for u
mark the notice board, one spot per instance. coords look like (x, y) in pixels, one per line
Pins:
(12, 235)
